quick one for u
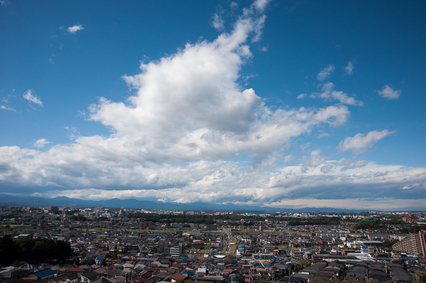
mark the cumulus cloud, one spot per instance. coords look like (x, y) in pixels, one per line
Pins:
(302, 95)
(74, 29)
(349, 69)
(329, 93)
(41, 143)
(389, 93)
(325, 73)
(179, 136)
(361, 143)
(32, 98)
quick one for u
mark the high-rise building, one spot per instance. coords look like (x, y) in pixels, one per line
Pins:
(414, 244)
(176, 251)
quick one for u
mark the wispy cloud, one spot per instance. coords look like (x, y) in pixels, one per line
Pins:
(361, 142)
(75, 29)
(261, 4)
(8, 108)
(325, 73)
(328, 93)
(349, 69)
(389, 93)
(32, 98)
(218, 23)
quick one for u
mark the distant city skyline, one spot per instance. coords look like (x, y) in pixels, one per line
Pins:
(266, 104)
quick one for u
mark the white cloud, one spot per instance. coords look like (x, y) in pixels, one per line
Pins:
(389, 93)
(305, 145)
(32, 98)
(218, 23)
(261, 5)
(8, 108)
(302, 95)
(41, 143)
(325, 73)
(315, 159)
(289, 158)
(351, 203)
(329, 93)
(179, 136)
(349, 69)
(74, 29)
(361, 143)
(227, 182)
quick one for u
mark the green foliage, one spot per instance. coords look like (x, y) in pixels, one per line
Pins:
(389, 244)
(171, 218)
(393, 221)
(18, 263)
(196, 246)
(33, 251)
(78, 218)
(155, 250)
(318, 220)
(368, 225)
(113, 255)
(420, 278)
(412, 229)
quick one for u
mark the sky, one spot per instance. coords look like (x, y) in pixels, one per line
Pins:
(284, 104)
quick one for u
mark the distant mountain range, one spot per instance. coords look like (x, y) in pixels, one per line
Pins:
(147, 204)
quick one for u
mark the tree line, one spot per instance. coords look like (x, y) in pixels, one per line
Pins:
(33, 250)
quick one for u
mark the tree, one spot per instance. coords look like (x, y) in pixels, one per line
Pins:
(420, 277)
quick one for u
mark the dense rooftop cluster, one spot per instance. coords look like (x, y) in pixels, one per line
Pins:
(145, 246)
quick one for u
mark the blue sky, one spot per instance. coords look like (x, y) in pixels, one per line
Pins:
(270, 103)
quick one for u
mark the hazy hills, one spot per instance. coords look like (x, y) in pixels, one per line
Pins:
(147, 204)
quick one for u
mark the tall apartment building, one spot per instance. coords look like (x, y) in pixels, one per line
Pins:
(414, 244)
(176, 251)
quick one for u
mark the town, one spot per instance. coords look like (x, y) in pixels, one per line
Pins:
(109, 245)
